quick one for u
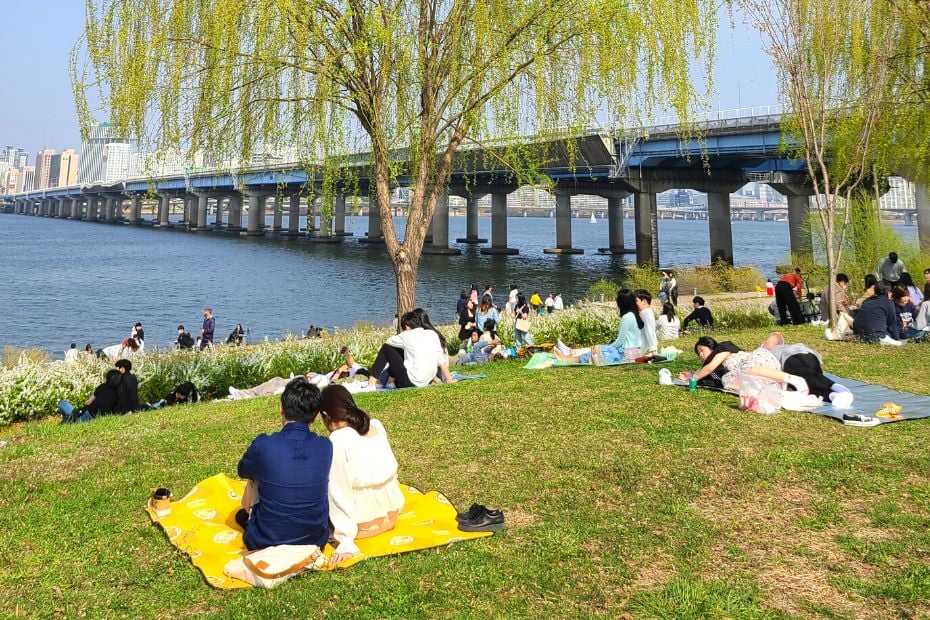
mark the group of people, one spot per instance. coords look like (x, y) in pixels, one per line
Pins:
(118, 394)
(889, 311)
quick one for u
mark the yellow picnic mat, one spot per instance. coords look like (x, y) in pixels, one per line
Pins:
(202, 524)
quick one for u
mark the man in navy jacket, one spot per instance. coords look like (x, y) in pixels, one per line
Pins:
(877, 319)
(288, 473)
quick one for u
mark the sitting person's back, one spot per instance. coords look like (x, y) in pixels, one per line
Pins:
(877, 317)
(289, 472)
(106, 395)
(701, 315)
(128, 388)
(364, 495)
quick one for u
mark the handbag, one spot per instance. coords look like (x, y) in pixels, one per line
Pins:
(268, 567)
(523, 325)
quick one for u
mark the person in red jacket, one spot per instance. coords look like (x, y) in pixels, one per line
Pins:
(788, 292)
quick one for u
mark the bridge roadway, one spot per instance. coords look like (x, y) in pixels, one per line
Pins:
(731, 151)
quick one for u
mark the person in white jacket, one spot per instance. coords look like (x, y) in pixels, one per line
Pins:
(413, 357)
(364, 495)
(644, 306)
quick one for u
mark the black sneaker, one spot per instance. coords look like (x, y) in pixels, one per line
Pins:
(471, 514)
(485, 521)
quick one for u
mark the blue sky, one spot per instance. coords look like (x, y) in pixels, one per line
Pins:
(37, 106)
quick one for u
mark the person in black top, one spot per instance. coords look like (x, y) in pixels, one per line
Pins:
(137, 332)
(103, 401)
(236, 335)
(701, 315)
(181, 395)
(185, 340)
(460, 305)
(711, 373)
(128, 388)
(467, 320)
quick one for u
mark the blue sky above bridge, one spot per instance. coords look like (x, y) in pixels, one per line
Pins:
(38, 107)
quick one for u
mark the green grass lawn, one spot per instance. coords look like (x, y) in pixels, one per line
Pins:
(621, 497)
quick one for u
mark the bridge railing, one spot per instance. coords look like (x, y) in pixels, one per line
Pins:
(714, 119)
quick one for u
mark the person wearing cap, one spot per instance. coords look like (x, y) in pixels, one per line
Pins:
(206, 332)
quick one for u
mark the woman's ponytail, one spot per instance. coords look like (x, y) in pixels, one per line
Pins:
(340, 407)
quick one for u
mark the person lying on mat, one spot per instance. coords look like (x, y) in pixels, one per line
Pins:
(800, 360)
(286, 498)
(364, 496)
(726, 363)
(413, 357)
(628, 344)
(276, 385)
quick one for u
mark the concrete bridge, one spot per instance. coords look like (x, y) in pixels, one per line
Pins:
(733, 149)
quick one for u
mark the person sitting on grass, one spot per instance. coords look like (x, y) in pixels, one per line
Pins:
(486, 311)
(628, 344)
(285, 501)
(668, 324)
(412, 357)
(276, 385)
(183, 394)
(877, 320)
(467, 321)
(128, 388)
(484, 348)
(364, 495)
(868, 291)
(907, 312)
(700, 315)
(844, 319)
(724, 365)
(648, 331)
(102, 402)
(916, 295)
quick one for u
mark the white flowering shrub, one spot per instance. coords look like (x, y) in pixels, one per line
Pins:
(32, 389)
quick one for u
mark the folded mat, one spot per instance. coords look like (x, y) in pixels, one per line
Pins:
(203, 525)
(360, 387)
(868, 398)
(548, 360)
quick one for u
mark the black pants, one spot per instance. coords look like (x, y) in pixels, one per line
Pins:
(393, 358)
(787, 303)
(807, 366)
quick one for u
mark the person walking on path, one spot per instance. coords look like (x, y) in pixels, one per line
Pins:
(889, 269)
(788, 292)
(206, 332)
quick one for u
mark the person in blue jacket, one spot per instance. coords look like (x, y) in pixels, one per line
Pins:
(286, 501)
(877, 320)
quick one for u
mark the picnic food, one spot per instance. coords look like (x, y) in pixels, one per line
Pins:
(889, 410)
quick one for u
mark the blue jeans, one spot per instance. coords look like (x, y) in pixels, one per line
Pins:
(67, 411)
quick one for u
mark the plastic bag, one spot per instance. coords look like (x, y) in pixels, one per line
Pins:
(759, 395)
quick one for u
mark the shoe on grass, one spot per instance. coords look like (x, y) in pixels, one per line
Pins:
(854, 419)
(485, 521)
(471, 513)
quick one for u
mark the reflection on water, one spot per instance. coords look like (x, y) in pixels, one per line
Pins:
(77, 282)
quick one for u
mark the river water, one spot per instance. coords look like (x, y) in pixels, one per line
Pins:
(69, 281)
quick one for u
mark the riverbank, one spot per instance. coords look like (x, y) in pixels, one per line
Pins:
(620, 498)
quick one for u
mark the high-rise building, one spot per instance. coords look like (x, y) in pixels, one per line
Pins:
(42, 165)
(93, 165)
(15, 156)
(26, 179)
(63, 169)
(11, 182)
(900, 195)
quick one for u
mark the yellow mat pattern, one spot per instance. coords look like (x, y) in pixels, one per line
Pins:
(203, 525)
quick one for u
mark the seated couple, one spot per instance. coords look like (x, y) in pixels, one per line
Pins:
(796, 366)
(636, 335)
(414, 357)
(276, 385)
(481, 347)
(299, 482)
(118, 394)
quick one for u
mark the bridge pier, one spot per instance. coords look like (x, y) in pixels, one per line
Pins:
(218, 214)
(721, 230)
(799, 229)
(563, 225)
(439, 244)
(615, 242)
(923, 216)
(234, 219)
(471, 221)
(293, 214)
(256, 210)
(645, 214)
(164, 209)
(374, 222)
(277, 213)
(499, 227)
(339, 216)
(203, 203)
(64, 211)
(92, 204)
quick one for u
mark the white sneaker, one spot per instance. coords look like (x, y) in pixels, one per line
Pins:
(233, 393)
(888, 340)
(562, 348)
(828, 334)
(852, 419)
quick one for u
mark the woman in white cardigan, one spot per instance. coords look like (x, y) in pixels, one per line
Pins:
(364, 496)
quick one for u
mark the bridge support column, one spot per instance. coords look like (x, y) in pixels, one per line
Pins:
(135, 209)
(164, 208)
(64, 206)
(721, 230)
(923, 216)
(440, 228)
(277, 214)
(499, 227)
(218, 217)
(293, 215)
(615, 242)
(234, 220)
(256, 212)
(799, 226)
(374, 223)
(92, 204)
(203, 204)
(471, 221)
(339, 216)
(563, 226)
(645, 213)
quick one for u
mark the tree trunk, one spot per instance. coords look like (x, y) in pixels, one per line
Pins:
(405, 274)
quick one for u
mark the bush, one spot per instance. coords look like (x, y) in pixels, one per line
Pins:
(721, 277)
(646, 277)
(603, 290)
(14, 355)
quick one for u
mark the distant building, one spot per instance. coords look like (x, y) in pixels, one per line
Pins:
(900, 195)
(105, 156)
(25, 181)
(42, 168)
(14, 156)
(63, 169)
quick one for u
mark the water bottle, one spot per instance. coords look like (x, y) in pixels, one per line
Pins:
(692, 383)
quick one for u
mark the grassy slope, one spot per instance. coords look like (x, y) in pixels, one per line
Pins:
(620, 497)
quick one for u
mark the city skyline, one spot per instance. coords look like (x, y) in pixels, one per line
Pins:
(43, 114)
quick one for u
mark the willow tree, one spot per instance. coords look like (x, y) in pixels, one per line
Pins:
(424, 78)
(839, 66)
